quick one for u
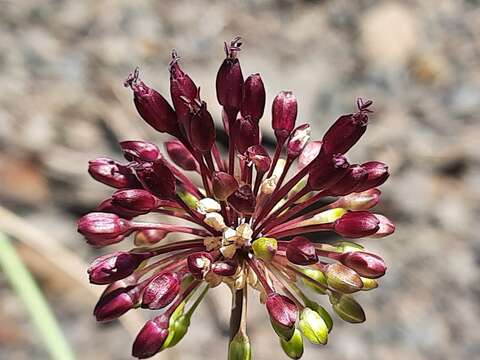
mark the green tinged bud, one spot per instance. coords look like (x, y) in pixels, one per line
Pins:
(293, 347)
(348, 246)
(174, 330)
(265, 248)
(188, 199)
(369, 284)
(316, 275)
(343, 279)
(313, 327)
(240, 348)
(177, 330)
(347, 308)
(322, 312)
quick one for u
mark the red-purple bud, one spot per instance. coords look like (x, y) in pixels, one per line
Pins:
(112, 173)
(377, 175)
(224, 185)
(134, 150)
(229, 81)
(103, 228)
(135, 199)
(150, 236)
(152, 107)
(358, 201)
(157, 178)
(112, 267)
(365, 264)
(301, 251)
(347, 130)
(284, 114)
(385, 228)
(283, 314)
(243, 200)
(202, 129)
(260, 158)
(245, 134)
(113, 304)
(225, 267)
(108, 207)
(355, 175)
(309, 153)
(253, 103)
(327, 170)
(357, 224)
(150, 339)
(161, 291)
(199, 264)
(298, 140)
(181, 156)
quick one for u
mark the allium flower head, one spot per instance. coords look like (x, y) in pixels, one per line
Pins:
(253, 223)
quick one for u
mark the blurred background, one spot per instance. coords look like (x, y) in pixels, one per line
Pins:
(62, 64)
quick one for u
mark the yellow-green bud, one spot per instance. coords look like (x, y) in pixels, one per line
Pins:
(171, 326)
(325, 217)
(316, 275)
(240, 348)
(265, 248)
(348, 246)
(369, 284)
(322, 312)
(188, 199)
(293, 347)
(347, 308)
(177, 330)
(343, 279)
(313, 327)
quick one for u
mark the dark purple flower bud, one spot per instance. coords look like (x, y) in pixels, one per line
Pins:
(246, 134)
(112, 173)
(115, 303)
(202, 129)
(108, 207)
(357, 224)
(301, 251)
(134, 150)
(385, 228)
(284, 114)
(135, 199)
(229, 81)
(199, 264)
(150, 236)
(253, 103)
(377, 175)
(150, 339)
(365, 264)
(309, 153)
(360, 200)
(260, 158)
(225, 267)
(112, 267)
(183, 91)
(355, 175)
(157, 178)
(298, 140)
(347, 130)
(243, 200)
(224, 185)
(283, 314)
(103, 228)
(327, 170)
(152, 107)
(161, 291)
(181, 156)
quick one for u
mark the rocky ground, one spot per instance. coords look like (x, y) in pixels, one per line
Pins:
(62, 64)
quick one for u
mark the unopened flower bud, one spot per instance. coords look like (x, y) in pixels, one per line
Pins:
(253, 100)
(347, 308)
(284, 114)
(298, 140)
(199, 264)
(135, 199)
(161, 291)
(149, 236)
(359, 201)
(365, 264)
(301, 251)
(107, 206)
(283, 314)
(239, 347)
(157, 178)
(355, 175)
(377, 175)
(325, 217)
(103, 228)
(134, 150)
(243, 200)
(224, 185)
(293, 347)
(343, 279)
(313, 327)
(114, 304)
(385, 228)
(357, 224)
(180, 155)
(369, 284)
(327, 170)
(348, 246)
(246, 134)
(178, 327)
(112, 173)
(259, 157)
(229, 81)
(265, 248)
(309, 153)
(151, 337)
(319, 278)
(225, 267)
(202, 129)
(112, 267)
(320, 310)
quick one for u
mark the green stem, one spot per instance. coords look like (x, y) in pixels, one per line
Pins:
(22, 282)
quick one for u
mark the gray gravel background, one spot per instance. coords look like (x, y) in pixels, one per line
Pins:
(62, 64)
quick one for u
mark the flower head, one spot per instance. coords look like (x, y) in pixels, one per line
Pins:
(251, 224)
